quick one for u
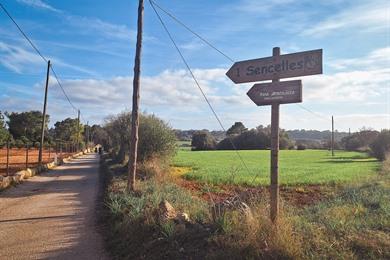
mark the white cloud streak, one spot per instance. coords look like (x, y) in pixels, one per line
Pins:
(39, 4)
(369, 17)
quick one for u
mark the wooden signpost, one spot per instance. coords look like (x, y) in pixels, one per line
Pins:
(277, 67)
(282, 92)
(275, 93)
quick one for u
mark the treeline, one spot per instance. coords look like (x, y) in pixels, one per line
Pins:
(315, 135)
(239, 137)
(186, 135)
(24, 128)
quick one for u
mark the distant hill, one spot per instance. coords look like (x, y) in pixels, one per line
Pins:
(186, 135)
(314, 135)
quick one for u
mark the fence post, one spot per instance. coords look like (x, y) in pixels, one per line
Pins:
(8, 157)
(26, 155)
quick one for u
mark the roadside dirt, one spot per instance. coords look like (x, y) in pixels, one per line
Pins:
(299, 196)
(52, 216)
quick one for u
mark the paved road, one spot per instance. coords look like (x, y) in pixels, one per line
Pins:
(52, 216)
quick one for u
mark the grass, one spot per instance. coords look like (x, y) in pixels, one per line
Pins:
(352, 224)
(295, 167)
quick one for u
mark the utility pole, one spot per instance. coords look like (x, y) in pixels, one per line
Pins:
(136, 95)
(44, 116)
(332, 136)
(274, 189)
(78, 130)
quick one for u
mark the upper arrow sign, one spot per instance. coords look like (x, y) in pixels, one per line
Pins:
(283, 66)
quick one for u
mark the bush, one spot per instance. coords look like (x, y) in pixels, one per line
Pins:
(156, 138)
(301, 147)
(380, 147)
(203, 140)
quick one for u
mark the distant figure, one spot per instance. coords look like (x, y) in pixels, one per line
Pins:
(96, 150)
(100, 150)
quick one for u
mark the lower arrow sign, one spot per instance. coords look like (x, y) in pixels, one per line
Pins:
(282, 92)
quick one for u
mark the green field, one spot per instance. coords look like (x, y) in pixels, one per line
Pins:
(295, 167)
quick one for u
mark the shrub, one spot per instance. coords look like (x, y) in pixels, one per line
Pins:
(203, 140)
(301, 147)
(156, 137)
(381, 145)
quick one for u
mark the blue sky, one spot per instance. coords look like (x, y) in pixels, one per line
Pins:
(92, 45)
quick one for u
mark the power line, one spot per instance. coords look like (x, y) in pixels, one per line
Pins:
(39, 53)
(197, 83)
(313, 113)
(153, 3)
(21, 31)
(63, 91)
(190, 30)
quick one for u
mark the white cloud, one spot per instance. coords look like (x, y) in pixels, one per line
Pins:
(16, 58)
(96, 25)
(358, 79)
(365, 17)
(255, 6)
(39, 4)
(173, 88)
(19, 59)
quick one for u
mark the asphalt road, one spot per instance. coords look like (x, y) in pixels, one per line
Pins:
(53, 216)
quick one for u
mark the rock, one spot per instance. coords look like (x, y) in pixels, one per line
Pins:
(246, 210)
(166, 211)
(182, 217)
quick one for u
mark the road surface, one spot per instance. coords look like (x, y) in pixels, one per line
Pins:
(53, 216)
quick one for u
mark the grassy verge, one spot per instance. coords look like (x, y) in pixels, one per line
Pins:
(352, 224)
(134, 230)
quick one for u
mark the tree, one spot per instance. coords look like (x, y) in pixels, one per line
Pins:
(156, 138)
(66, 130)
(4, 134)
(380, 147)
(236, 129)
(258, 138)
(360, 140)
(26, 124)
(203, 140)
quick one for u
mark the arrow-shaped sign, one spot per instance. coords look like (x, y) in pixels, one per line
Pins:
(277, 67)
(282, 92)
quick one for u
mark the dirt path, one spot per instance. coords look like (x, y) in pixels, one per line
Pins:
(52, 216)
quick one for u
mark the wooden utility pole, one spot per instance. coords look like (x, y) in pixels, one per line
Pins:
(78, 130)
(332, 136)
(135, 115)
(44, 115)
(274, 189)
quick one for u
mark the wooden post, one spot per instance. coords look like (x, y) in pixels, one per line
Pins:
(27, 155)
(78, 131)
(8, 157)
(332, 136)
(44, 116)
(136, 97)
(274, 189)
